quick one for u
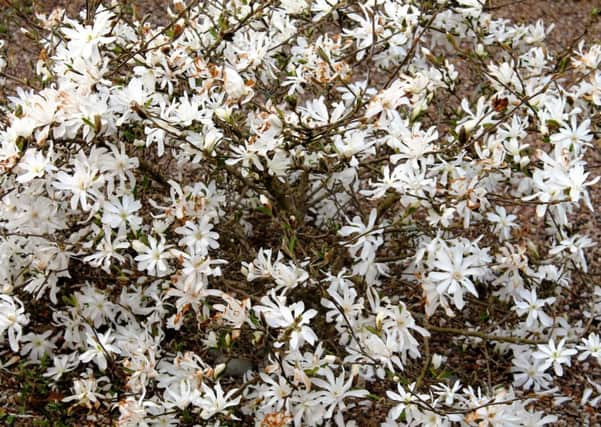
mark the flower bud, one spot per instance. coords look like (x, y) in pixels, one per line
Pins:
(218, 370)
(234, 84)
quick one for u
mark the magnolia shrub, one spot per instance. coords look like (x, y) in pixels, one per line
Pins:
(302, 213)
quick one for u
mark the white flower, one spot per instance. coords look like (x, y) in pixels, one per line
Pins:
(573, 137)
(446, 392)
(34, 164)
(528, 373)
(100, 346)
(387, 101)
(62, 365)
(181, 395)
(95, 305)
(214, 402)
(152, 258)
(37, 345)
(335, 390)
(366, 237)
(85, 392)
(133, 412)
(198, 236)
(85, 40)
(106, 250)
(503, 222)
(118, 213)
(275, 392)
(536, 419)
(554, 355)
(279, 164)
(480, 118)
(471, 8)
(83, 184)
(294, 318)
(533, 306)
(246, 154)
(344, 305)
(294, 7)
(591, 346)
(452, 273)
(407, 402)
(12, 318)
(575, 247)
(261, 267)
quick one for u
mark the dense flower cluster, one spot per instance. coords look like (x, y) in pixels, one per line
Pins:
(296, 212)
